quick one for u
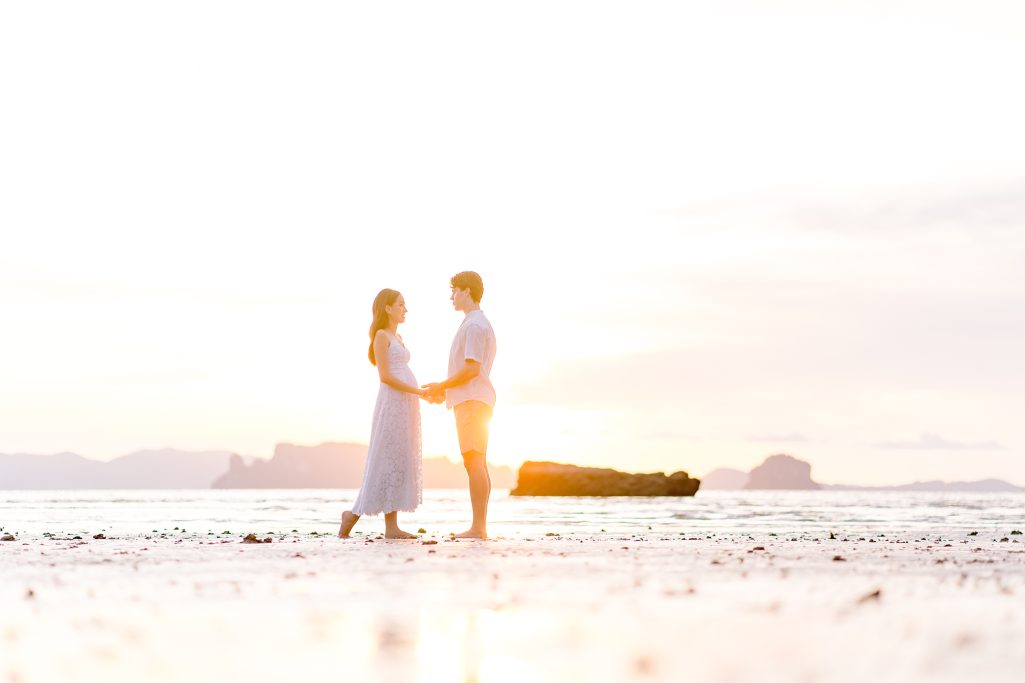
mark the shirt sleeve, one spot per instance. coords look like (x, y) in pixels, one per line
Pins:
(475, 343)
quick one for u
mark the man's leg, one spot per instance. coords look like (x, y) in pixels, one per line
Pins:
(487, 471)
(472, 418)
(480, 491)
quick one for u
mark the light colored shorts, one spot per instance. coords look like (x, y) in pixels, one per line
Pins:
(472, 421)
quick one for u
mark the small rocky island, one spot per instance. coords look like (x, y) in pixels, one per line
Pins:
(555, 479)
(782, 472)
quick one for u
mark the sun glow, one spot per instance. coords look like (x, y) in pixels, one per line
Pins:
(518, 433)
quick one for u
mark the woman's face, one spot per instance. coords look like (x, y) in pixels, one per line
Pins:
(397, 311)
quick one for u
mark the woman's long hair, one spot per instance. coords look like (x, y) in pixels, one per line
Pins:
(384, 298)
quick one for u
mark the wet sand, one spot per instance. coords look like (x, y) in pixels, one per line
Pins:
(597, 607)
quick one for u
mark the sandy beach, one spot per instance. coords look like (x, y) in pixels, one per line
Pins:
(205, 606)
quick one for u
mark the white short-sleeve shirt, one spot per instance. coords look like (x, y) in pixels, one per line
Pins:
(475, 340)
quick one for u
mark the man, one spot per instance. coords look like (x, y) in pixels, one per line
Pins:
(468, 392)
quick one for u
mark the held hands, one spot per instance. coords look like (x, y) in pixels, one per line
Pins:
(432, 393)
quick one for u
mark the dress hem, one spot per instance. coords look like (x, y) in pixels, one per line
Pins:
(374, 513)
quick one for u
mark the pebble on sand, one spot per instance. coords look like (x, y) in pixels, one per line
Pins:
(870, 597)
(8, 537)
(251, 538)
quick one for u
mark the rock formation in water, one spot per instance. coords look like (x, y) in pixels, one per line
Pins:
(781, 472)
(329, 465)
(554, 479)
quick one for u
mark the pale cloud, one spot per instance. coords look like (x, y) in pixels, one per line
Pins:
(935, 442)
(820, 339)
(792, 437)
(994, 209)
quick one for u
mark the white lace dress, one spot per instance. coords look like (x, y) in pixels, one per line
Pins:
(393, 474)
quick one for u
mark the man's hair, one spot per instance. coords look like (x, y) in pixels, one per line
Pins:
(471, 281)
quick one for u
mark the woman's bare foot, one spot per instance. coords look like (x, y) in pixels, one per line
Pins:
(472, 533)
(399, 534)
(348, 521)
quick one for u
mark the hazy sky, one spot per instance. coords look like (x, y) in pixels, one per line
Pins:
(708, 231)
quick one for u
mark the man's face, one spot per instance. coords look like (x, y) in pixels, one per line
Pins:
(460, 299)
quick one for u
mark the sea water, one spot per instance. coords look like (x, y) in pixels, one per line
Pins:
(445, 510)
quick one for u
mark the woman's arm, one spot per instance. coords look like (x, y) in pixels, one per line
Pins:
(381, 343)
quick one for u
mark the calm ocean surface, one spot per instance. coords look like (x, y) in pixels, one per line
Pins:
(307, 510)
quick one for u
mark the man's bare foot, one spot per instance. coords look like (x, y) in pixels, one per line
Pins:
(471, 533)
(399, 534)
(348, 521)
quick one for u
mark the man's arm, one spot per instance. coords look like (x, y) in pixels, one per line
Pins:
(470, 369)
(474, 352)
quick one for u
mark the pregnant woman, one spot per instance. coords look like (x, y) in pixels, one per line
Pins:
(393, 475)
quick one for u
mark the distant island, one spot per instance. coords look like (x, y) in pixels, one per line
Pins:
(781, 472)
(555, 479)
(336, 465)
(149, 469)
(785, 472)
(340, 465)
(328, 465)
